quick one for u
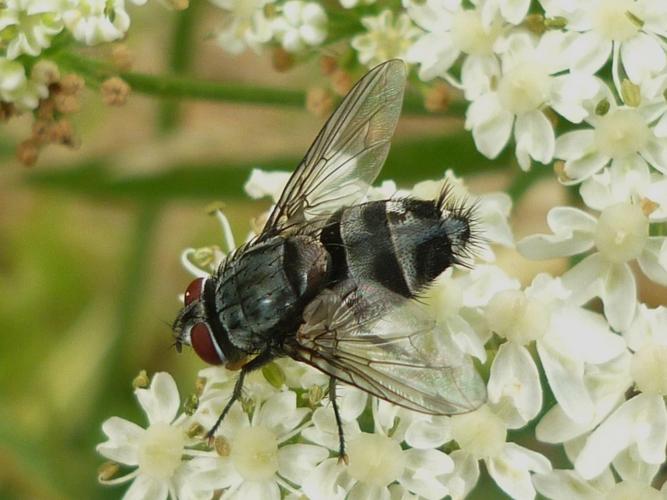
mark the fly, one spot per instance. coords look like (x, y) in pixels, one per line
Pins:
(332, 280)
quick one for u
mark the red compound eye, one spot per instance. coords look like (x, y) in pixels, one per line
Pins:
(202, 343)
(194, 291)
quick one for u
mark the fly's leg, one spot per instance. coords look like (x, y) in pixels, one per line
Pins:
(259, 361)
(342, 456)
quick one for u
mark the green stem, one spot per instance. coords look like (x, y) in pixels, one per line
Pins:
(180, 56)
(177, 87)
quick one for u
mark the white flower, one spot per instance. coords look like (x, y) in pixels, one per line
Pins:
(263, 183)
(481, 435)
(301, 25)
(219, 384)
(386, 38)
(16, 88)
(512, 11)
(526, 86)
(301, 375)
(567, 339)
(30, 25)
(451, 30)
(616, 185)
(245, 25)
(629, 31)
(377, 459)
(455, 302)
(568, 485)
(96, 21)
(257, 462)
(157, 452)
(606, 384)
(620, 235)
(640, 422)
(622, 137)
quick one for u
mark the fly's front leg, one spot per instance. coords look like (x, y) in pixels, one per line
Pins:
(257, 362)
(342, 456)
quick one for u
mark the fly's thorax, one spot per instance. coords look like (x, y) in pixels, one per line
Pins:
(261, 294)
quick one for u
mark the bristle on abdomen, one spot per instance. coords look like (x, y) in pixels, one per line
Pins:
(404, 244)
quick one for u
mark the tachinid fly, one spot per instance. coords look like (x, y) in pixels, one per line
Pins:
(331, 280)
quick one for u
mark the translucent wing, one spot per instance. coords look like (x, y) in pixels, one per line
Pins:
(348, 153)
(390, 348)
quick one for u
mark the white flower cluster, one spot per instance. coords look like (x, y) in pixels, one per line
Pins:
(295, 25)
(29, 27)
(281, 440)
(581, 84)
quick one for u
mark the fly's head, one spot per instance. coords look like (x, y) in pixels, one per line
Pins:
(197, 325)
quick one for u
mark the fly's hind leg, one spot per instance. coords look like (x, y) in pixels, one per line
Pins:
(257, 362)
(342, 456)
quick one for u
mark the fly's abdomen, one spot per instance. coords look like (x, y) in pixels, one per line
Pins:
(401, 244)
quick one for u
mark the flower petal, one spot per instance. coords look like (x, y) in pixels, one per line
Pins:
(146, 488)
(582, 168)
(280, 414)
(491, 124)
(363, 491)
(511, 470)
(642, 57)
(571, 93)
(514, 376)
(655, 153)
(266, 490)
(627, 425)
(295, 461)
(651, 259)
(514, 10)
(123, 440)
(535, 138)
(584, 279)
(564, 485)
(589, 52)
(160, 401)
(323, 482)
(630, 466)
(573, 230)
(575, 145)
(566, 379)
(423, 472)
(428, 432)
(584, 335)
(465, 475)
(619, 296)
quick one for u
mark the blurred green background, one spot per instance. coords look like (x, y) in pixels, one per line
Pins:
(90, 238)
